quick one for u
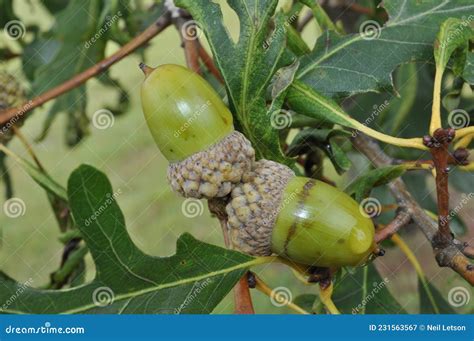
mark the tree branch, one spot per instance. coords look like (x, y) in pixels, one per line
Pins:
(153, 30)
(439, 144)
(207, 59)
(188, 32)
(452, 255)
(402, 218)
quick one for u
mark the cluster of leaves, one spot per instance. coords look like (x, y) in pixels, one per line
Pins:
(267, 70)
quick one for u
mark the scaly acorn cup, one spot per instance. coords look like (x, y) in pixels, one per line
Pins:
(194, 130)
(301, 219)
(11, 95)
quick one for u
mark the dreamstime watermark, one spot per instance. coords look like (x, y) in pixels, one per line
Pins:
(459, 296)
(103, 119)
(192, 208)
(46, 329)
(371, 295)
(109, 21)
(14, 207)
(280, 30)
(103, 296)
(110, 199)
(454, 212)
(196, 290)
(190, 120)
(14, 30)
(21, 289)
(458, 31)
(377, 110)
(281, 296)
(191, 30)
(370, 30)
(281, 119)
(7, 126)
(458, 118)
(370, 207)
(286, 200)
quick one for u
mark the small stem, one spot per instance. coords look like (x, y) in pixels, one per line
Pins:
(207, 59)
(418, 165)
(264, 288)
(401, 219)
(390, 207)
(189, 42)
(242, 297)
(467, 168)
(325, 294)
(460, 133)
(28, 147)
(436, 107)
(464, 141)
(300, 271)
(153, 30)
(70, 263)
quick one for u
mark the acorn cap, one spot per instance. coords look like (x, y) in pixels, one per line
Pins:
(11, 92)
(213, 172)
(254, 207)
(11, 95)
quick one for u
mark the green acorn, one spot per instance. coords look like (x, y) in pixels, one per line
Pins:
(301, 219)
(194, 130)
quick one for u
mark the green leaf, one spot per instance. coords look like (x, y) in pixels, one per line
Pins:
(362, 187)
(248, 65)
(295, 42)
(76, 42)
(7, 13)
(54, 5)
(128, 281)
(308, 102)
(468, 73)
(431, 300)
(364, 291)
(326, 140)
(454, 33)
(306, 301)
(357, 63)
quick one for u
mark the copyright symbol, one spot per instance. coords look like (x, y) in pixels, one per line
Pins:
(422, 327)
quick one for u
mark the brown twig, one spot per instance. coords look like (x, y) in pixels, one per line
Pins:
(454, 254)
(189, 40)
(154, 29)
(439, 144)
(402, 218)
(207, 59)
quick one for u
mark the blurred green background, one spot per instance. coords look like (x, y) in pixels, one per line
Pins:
(127, 154)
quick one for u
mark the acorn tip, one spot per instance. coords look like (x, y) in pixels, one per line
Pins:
(145, 68)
